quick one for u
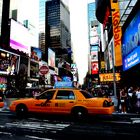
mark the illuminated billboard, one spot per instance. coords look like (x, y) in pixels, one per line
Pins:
(36, 54)
(108, 77)
(9, 62)
(94, 68)
(20, 38)
(51, 58)
(94, 37)
(117, 33)
(131, 43)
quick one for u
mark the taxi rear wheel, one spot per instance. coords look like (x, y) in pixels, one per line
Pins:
(21, 110)
(79, 113)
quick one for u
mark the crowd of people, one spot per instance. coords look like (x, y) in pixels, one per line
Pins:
(129, 100)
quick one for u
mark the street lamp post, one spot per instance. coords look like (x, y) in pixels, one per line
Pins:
(114, 75)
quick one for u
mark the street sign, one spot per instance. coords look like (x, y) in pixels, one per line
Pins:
(44, 69)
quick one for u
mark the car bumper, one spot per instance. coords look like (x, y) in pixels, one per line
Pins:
(102, 110)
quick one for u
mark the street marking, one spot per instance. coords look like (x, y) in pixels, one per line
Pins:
(136, 121)
(37, 138)
(37, 125)
(117, 122)
(134, 118)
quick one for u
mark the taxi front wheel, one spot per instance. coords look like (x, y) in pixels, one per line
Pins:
(21, 110)
(79, 112)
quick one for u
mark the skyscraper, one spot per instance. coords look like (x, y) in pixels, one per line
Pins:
(58, 36)
(42, 25)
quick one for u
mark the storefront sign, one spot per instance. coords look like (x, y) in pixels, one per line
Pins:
(106, 77)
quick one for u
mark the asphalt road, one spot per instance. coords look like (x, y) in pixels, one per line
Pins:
(36, 127)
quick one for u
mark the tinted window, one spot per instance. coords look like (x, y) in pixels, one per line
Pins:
(47, 94)
(86, 94)
(65, 94)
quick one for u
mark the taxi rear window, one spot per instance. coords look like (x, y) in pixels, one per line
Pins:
(86, 94)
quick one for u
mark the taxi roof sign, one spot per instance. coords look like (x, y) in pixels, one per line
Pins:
(63, 84)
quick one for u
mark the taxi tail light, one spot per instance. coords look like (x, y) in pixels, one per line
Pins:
(107, 104)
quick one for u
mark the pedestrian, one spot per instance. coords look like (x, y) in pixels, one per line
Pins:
(123, 97)
(119, 100)
(134, 101)
(5, 100)
(138, 101)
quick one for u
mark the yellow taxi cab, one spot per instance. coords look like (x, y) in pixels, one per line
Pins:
(72, 101)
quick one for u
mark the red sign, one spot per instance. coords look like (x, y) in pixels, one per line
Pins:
(44, 70)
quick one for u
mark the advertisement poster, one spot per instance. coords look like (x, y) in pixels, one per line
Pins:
(9, 62)
(51, 58)
(3, 83)
(94, 37)
(36, 54)
(108, 77)
(131, 43)
(117, 33)
(34, 69)
(94, 56)
(20, 40)
(94, 68)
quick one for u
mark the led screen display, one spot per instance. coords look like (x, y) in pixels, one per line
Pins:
(9, 62)
(36, 54)
(131, 43)
(51, 58)
(20, 38)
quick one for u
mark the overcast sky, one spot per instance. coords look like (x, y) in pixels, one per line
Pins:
(79, 34)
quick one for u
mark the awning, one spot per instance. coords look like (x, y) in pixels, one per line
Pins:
(126, 7)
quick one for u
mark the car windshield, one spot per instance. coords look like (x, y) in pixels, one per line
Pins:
(86, 94)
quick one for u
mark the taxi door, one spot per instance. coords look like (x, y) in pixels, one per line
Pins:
(63, 101)
(43, 103)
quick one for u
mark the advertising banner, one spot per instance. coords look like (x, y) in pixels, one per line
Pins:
(20, 40)
(131, 43)
(94, 68)
(94, 37)
(94, 56)
(111, 53)
(9, 62)
(106, 77)
(3, 83)
(34, 69)
(132, 59)
(36, 54)
(117, 32)
(51, 58)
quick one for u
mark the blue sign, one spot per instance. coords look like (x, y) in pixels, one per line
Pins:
(131, 43)
(94, 48)
(132, 59)
(63, 85)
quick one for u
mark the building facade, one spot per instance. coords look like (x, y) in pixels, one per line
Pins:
(94, 27)
(122, 44)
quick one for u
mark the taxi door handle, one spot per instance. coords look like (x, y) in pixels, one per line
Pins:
(71, 102)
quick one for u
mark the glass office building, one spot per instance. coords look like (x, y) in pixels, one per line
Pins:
(42, 25)
(58, 36)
